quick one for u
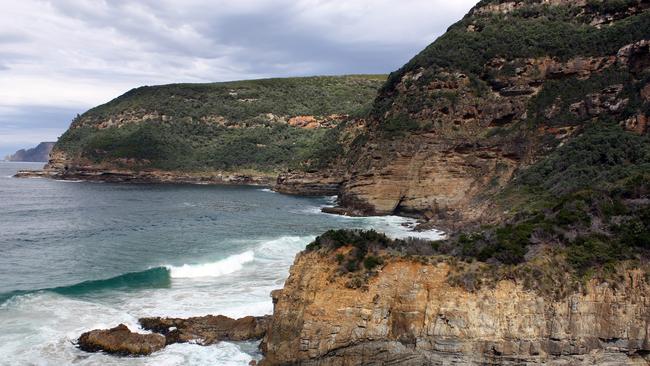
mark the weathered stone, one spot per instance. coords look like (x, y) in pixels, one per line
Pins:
(207, 329)
(121, 341)
(412, 316)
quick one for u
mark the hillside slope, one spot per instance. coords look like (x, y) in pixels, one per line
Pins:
(502, 89)
(198, 131)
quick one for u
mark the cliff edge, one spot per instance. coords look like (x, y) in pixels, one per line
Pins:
(406, 311)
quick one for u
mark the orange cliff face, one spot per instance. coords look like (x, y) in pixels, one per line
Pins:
(408, 314)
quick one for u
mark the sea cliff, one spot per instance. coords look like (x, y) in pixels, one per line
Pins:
(408, 314)
(503, 88)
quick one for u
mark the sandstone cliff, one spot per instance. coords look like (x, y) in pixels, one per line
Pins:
(504, 87)
(408, 314)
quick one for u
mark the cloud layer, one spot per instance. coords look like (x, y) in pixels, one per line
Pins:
(61, 57)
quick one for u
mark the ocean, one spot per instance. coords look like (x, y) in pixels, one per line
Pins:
(76, 256)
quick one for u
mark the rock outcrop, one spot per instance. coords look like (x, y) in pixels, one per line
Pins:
(121, 341)
(408, 314)
(60, 166)
(204, 330)
(309, 184)
(208, 329)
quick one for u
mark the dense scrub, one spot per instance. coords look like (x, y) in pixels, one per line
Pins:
(240, 101)
(221, 126)
(368, 251)
(535, 30)
(195, 146)
(582, 211)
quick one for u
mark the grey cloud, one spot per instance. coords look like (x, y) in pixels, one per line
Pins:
(63, 56)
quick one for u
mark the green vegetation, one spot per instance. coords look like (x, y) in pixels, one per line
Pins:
(195, 146)
(363, 258)
(602, 155)
(561, 94)
(535, 30)
(588, 203)
(221, 126)
(245, 101)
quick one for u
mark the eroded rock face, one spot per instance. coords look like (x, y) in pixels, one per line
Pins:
(309, 184)
(466, 147)
(208, 329)
(121, 341)
(409, 315)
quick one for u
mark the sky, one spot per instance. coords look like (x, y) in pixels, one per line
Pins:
(62, 57)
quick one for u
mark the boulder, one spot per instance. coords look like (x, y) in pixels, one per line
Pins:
(208, 329)
(121, 341)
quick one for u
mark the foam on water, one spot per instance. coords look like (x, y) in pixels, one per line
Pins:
(402, 227)
(229, 265)
(40, 329)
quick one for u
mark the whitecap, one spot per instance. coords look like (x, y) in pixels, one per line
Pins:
(229, 265)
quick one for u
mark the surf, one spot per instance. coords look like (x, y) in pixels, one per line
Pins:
(225, 266)
(151, 278)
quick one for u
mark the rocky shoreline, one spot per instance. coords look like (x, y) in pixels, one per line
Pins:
(150, 177)
(405, 312)
(204, 330)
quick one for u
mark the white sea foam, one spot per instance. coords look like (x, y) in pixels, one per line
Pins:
(267, 190)
(231, 264)
(402, 227)
(41, 329)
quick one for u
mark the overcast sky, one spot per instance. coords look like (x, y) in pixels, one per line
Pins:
(61, 57)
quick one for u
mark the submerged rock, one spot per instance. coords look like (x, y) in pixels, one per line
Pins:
(121, 341)
(208, 329)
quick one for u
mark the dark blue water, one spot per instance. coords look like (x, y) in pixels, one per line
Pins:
(76, 256)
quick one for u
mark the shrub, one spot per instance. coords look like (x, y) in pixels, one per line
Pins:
(370, 262)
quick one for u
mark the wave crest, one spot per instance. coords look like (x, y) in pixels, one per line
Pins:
(225, 266)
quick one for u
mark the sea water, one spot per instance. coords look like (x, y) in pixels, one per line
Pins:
(76, 256)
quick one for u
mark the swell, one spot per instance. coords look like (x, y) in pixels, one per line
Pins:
(158, 277)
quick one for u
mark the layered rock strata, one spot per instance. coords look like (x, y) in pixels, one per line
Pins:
(408, 314)
(59, 167)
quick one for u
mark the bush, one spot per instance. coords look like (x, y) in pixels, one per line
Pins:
(370, 262)
(604, 153)
(589, 253)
